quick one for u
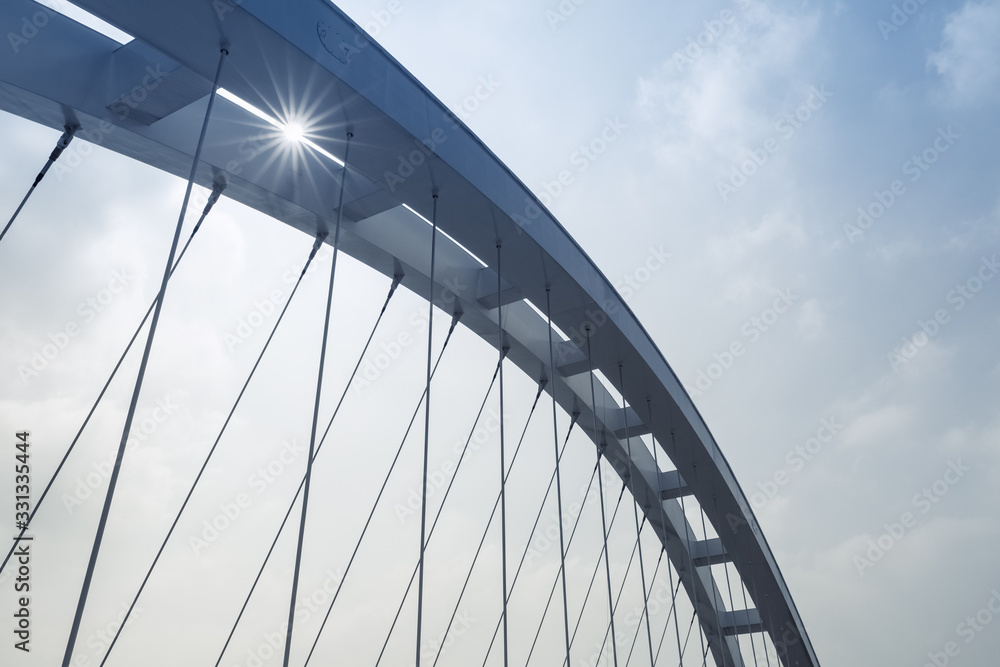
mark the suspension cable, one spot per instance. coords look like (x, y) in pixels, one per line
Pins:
(427, 435)
(687, 637)
(552, 590)
(214, 197)
(534, 527)
(633, 470)
(368, 521)
(691, 568)
(437, 516)
(555, 445)
(319, 393)
(503, 464)
(555, 582)
(61, 144)
(597, 567)
(541, 507)
(644, 612)
(763, 632)
(716, 593)
(672, 612)
(291, 505)
(489, 522)
(600, 482)
(312, 254)
(729, 587)
(621, 589)
(113, 482)
(663, 523)
(743, 589)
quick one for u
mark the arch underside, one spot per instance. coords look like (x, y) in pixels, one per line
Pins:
(407, 146)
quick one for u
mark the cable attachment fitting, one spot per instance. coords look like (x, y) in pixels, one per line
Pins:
(396, 279)
(455, 317)
(317, 243)
(67, 136)
(312, 253)
(217, 187)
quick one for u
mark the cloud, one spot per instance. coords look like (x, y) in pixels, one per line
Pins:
(968, 60)
(879, 426)
(775, 229)
(812, 320)
(721, 91)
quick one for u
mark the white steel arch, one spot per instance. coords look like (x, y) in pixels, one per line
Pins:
(145, 99)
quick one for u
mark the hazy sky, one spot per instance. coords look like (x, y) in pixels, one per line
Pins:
(816, 181)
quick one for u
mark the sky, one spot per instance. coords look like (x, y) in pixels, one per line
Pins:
(813, 184)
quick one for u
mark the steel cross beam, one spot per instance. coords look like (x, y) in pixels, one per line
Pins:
(145, 98)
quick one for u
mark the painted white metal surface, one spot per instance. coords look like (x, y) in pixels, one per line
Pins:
(146, 99)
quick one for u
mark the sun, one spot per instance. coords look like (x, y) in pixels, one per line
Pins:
(293, 132)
